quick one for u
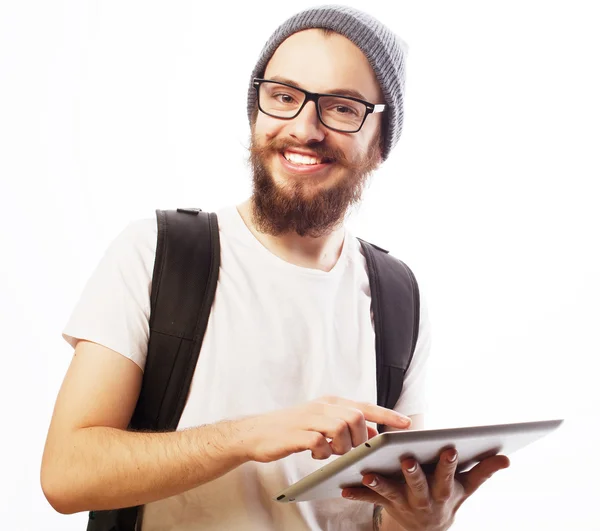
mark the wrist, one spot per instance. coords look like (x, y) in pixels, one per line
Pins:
(223, 440)
(237, 433)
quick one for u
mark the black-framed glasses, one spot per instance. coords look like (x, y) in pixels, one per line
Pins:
(340, 113)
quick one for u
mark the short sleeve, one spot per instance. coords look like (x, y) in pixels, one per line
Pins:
(114, 307)
(413, 400)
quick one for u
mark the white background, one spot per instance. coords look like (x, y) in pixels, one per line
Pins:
(110, 109)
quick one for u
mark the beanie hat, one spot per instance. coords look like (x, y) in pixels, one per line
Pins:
(385, 51)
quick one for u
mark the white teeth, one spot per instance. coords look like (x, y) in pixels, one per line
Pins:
(296, 158)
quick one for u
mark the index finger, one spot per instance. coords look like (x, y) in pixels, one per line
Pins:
(374, 413)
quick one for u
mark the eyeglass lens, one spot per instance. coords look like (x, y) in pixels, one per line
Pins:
(336, 112)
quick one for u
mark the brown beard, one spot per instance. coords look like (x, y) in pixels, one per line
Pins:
(284, 209)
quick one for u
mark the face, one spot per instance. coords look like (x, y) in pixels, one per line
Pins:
(312, 199)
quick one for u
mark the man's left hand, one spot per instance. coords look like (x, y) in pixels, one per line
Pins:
(424, 503)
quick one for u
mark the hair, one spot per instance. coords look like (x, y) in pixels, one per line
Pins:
(327, 32)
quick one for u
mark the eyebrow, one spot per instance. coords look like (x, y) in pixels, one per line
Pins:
(339, 91)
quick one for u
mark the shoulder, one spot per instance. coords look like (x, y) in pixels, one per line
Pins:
(397, 274)
(388, 269)
(129, 258)
(136, 240)
(139, 233)
(382, 254)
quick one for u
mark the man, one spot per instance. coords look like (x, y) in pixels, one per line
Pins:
(287, 363)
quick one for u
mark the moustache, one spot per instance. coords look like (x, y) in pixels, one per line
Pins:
(278, 145)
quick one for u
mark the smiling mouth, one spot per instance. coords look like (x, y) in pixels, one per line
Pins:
(305, 160)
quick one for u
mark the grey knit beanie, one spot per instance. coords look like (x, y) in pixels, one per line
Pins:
(385, 51)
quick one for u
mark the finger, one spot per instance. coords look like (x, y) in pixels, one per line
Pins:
(354, 419)
(334, 428)
(372, 412)
(364, 494)
(357, 425)
(313, 441)
(417, 491)
(443, 477)
(480, 473)
(371, 432)
(389, 489)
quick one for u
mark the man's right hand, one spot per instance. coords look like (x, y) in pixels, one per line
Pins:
(326, 426)
(93, 462)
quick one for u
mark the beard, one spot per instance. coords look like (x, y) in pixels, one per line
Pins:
(280, 209)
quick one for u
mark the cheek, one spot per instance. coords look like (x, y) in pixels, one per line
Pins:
(267, 127)
(355, 149)
(366, 143)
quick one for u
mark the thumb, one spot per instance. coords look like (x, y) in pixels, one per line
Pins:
(480, 473)
(371, 432)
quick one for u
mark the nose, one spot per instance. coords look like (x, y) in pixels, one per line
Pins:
(306, 128)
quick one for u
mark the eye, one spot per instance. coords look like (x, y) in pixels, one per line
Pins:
(282, 97)
(343, 109)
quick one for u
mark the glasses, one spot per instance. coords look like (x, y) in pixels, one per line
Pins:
(340, 113)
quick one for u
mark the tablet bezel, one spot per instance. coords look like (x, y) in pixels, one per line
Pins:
(473, 443)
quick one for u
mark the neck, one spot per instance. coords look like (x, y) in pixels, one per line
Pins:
(314, 253)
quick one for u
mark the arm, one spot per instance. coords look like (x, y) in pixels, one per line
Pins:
(91, 462)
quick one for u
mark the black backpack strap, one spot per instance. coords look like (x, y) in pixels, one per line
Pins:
(395, 306)
(186, 271)
(184, 281)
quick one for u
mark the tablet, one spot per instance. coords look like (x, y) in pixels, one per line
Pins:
(382, 455)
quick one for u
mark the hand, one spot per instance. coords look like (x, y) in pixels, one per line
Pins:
(272, 436)
(425, 502)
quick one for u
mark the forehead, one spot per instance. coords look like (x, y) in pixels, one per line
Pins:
(321, 63)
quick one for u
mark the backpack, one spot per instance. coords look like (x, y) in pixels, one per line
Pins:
(184, 281)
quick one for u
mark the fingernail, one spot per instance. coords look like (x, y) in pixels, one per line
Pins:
(373, 483)
(452, 456)
(412, 468)
(347, 494)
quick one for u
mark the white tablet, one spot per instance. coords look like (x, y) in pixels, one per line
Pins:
(382, 455)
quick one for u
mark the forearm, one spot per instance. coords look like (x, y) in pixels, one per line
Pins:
(102, 468)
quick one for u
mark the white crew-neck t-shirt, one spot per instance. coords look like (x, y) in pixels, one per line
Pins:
(278, 335)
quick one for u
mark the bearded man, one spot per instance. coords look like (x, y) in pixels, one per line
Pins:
(286, 372)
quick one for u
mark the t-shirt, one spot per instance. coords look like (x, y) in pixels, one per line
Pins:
(278, 335)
